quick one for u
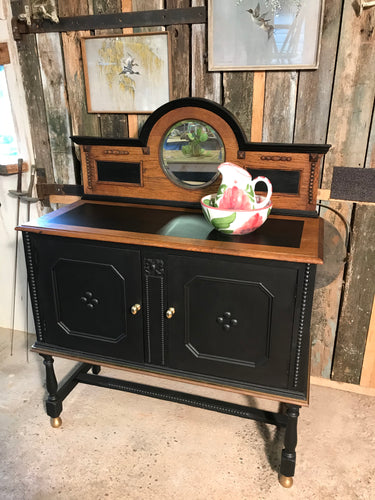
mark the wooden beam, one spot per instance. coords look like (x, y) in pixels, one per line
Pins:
(324, 194)
(368, 367)
(120, 20)
(237, 97)
(358, 298)
(349, 127)
(342, 386)
(12, 169)
(258, 106)
(4, 54)
(63, 200)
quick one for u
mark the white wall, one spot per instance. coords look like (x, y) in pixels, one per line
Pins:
(8, 209)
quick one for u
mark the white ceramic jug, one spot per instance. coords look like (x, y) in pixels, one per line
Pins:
(237, 189)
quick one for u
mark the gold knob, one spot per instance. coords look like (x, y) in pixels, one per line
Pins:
(136, 308)
(170, 312)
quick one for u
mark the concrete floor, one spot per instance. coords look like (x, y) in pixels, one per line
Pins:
(115, 445)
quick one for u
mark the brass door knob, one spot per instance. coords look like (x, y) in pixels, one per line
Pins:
(170, 312)
(135, 309)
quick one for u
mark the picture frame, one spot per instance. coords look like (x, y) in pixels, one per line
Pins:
(264, 34)
(127, 73)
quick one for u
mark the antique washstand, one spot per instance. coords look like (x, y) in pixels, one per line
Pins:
(133, 277)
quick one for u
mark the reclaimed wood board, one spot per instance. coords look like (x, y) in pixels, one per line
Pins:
(203, 83)
(279, 106)
(53, 79)
(82, 122)
(358, 297)
(349, 129)
(32, 82)
(238, 97)
(180, 53)
(315, 87)
(311, 124)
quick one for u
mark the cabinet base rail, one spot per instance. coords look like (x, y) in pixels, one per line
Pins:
(57, 394)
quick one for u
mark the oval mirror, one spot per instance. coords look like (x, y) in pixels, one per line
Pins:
(191, 151)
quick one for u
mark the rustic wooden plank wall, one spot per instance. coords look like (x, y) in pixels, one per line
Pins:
(333, 104)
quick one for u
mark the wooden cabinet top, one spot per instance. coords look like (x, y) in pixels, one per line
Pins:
(282, 237)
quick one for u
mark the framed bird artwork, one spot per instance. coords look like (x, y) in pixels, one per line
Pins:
(264, 34)
(126, 73)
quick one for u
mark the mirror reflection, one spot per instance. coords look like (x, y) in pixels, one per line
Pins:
(191, 152)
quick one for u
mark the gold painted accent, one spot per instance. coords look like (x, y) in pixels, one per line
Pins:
(170, 312)
(135, 309)
(56, 422)
(286, 482)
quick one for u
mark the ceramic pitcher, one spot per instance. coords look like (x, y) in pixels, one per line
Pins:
(237, 189)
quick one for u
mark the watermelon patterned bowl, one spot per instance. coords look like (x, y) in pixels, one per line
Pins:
(234, 221)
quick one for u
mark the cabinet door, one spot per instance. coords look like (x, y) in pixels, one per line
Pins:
(233, 320)
(86, 291)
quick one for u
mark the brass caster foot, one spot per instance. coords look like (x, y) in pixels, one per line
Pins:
(286, 482)
(56, 422)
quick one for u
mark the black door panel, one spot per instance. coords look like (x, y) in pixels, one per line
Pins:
(93, 288)
(233, 320)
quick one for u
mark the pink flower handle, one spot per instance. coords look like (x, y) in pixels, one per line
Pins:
(266, 181)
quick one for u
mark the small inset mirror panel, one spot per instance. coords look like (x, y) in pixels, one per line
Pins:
(113, 171)
(190, 153)
(283, 181)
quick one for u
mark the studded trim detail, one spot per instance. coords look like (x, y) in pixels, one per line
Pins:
(301, 325)
(314, 158)
(154, 268)
(148, 329)
(89, 168)
(33, 287)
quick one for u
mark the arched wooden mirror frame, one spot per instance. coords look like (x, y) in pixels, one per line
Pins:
(292, 168)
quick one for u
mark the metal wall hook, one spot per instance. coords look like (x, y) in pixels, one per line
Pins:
(360, 5)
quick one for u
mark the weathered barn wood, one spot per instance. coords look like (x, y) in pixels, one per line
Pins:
(311, 124)
(349, 128)
(279, 106)
(29, 62)
(238, 97)
(52, 72)
(359, 290)
(315, 87)
(119, 20)
(82, 121)
(203, 83)
(180, 53)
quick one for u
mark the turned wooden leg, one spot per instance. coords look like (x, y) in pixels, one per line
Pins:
(53, 404)
(288, 455)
